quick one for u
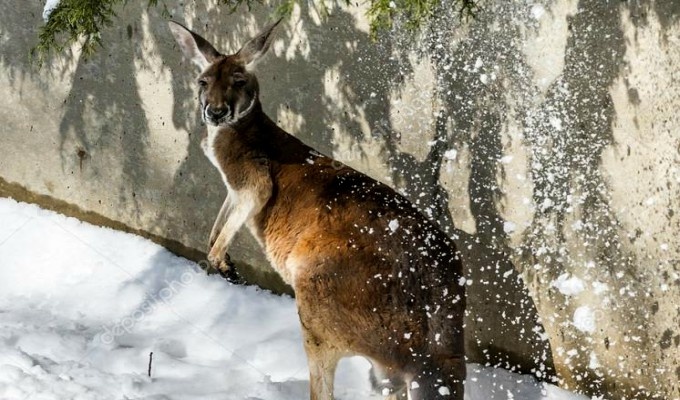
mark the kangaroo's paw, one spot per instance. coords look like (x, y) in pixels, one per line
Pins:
(225, 267)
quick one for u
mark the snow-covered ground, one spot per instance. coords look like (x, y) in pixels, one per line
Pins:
(81, 308)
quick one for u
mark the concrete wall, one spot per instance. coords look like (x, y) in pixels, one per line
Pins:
(544, 136)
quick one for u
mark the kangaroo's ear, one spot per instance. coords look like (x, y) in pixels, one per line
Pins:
(194, 47)
(257, 46)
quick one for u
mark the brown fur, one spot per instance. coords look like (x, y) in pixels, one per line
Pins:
(363, 285)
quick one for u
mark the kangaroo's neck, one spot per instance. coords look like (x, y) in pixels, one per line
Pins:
(255, 135)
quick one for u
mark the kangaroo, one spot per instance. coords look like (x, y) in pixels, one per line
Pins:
(372, 276)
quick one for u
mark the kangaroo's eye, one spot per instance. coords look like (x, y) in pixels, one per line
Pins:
(202, 83)
(239, 79)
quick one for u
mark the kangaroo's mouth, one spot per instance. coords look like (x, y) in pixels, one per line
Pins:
(211, 118)
(230, 116)
(226, 120)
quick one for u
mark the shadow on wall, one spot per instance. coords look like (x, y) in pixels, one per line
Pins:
(16, 40)
(104, 115)
(473, 114)
(567, 134)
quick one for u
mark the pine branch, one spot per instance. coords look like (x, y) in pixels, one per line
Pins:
(82, 20)
(415, 13)
(71, 21)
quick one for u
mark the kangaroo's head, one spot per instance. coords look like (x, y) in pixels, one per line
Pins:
(227, 89)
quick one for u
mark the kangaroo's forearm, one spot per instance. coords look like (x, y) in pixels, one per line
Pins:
(219, 223)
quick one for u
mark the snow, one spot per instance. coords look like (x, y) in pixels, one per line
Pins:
(537, 11)
(556, 123)
(450, 154)
(599, 287)
(507, 159)
(393, 225)
(584, 319)
(83, 306)
(478, 63)
(568, 286)
(50, 5)
(509, 227)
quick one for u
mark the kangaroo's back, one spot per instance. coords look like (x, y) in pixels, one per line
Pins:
(372, 276)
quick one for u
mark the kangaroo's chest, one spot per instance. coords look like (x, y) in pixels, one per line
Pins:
(213, 152)
(208, 147)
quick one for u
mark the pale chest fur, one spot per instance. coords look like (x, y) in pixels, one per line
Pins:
(210, 151)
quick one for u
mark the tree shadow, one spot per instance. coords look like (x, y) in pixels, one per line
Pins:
(17, 38)
(574, 223)
(502, 319)
(104, 117)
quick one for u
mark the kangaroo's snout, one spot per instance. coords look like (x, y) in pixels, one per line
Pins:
(215, 114)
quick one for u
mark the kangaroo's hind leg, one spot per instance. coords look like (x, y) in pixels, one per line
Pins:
(322, 358)
(322, 361)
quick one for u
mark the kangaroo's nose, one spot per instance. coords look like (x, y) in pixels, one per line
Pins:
(216, 113)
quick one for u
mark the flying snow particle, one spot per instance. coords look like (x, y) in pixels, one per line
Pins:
(568, 286)
(584, 319)
(556, 123)
(462, 281)
(509, 227)
(451, 154)
(444, 391)
(547, 203)
(484, 78)
(577, 226)
(407, 335)
(537, 11)
(393, 225)
(478, 63)
(599, 287)
(50, 5)
(414, 385)
(593, 363)
(506, 159)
